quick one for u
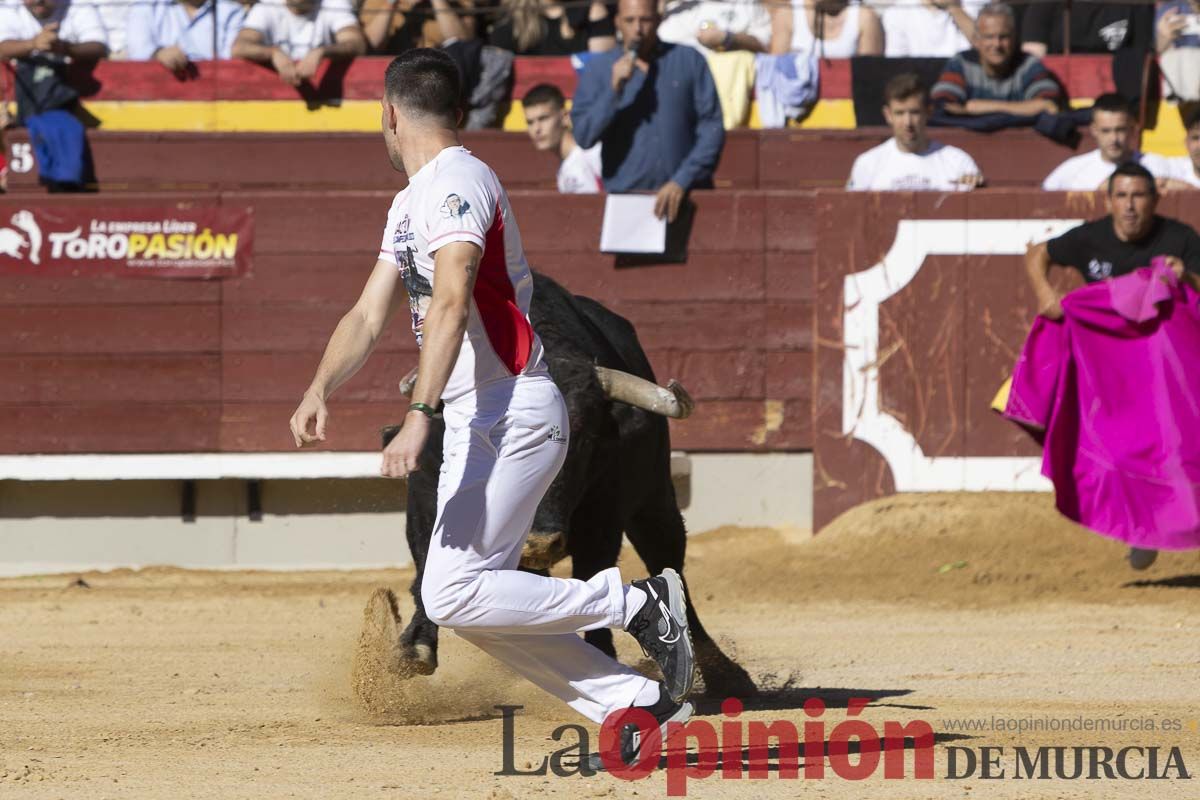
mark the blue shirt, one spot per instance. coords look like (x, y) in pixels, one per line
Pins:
(164, 23)
(665, 125)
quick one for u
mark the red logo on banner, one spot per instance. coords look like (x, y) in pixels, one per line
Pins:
(191, 242)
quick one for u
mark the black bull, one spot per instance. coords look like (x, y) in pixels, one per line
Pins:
(616, 478)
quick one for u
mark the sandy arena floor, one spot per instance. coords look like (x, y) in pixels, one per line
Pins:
(941, 608)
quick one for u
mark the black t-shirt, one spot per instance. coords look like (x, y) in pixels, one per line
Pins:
(1096, 27)
(553, 43)
(1094, 249)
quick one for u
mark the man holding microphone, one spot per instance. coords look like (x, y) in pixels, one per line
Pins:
(654, 108)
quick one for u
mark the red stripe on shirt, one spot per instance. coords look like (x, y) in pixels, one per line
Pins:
(507, 329)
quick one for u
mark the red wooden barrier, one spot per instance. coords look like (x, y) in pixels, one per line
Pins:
(119, 365)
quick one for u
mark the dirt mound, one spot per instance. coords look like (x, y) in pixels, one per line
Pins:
(971, 549)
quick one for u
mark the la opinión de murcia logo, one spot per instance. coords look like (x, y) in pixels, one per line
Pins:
(734, 749)
(853, 750)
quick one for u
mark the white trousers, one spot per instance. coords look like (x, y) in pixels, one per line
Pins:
(503, 446)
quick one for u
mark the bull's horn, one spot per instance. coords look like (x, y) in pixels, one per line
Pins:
(673, 401)
(408, 382)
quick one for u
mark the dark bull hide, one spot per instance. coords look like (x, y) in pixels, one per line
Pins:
(616, 478)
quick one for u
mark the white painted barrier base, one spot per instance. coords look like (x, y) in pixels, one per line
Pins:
(81, 521)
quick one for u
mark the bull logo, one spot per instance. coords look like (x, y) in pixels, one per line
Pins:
(24, 233)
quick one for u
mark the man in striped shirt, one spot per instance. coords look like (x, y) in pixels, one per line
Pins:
(996, 77)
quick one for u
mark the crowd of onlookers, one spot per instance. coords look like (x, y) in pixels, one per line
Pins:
(631, 127)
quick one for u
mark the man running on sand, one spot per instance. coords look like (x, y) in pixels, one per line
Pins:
(452, 239)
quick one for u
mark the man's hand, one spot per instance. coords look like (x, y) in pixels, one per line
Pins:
(172, 58)
(1050, 306)
(622, 70)
(311, 407)
(47, 39)
(972, 180)
(668, 200)
(711, 37)
(402, 455)
(1176, 265)
(286, 68)
(306, 68)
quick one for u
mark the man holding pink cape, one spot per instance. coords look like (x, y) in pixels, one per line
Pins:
(1109, 378)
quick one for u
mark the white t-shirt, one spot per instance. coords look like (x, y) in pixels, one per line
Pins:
(887, 168)
(457, 198)
(1182, 169)
(77, 22)
(1085, 173)
(579, 172)
(682, 19)
(295, 34)
(912, 29)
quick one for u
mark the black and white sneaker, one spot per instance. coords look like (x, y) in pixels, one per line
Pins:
(665, 711)
(661, 628)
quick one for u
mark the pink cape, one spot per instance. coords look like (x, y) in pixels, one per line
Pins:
(1112, 390)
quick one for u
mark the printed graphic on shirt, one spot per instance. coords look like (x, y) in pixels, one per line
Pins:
(420, 291)
(454, 207)
(1099, 270)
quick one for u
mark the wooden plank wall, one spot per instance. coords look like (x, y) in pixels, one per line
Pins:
(123, 365)
(795, 159)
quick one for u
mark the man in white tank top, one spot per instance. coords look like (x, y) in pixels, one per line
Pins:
(451, 241)
(909, 161)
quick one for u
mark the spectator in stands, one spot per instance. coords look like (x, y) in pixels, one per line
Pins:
(661, 127)
(176, 33)
(996, 76)
(548, 28)
(549, 127)
(1097, 26)
(929, 28)
(41, 36)
(394, 26)
(294, 37)
(1116, 133)
(1177, 40)
(833, 28)
(114, 16)
(719, 25)
(909, 161)
(54, 30)
(1184, 171)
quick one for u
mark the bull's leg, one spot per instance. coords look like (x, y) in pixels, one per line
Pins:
(660, 539)
(419, 642)
(594, 544)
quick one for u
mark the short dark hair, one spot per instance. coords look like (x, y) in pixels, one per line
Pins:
(1113, 103)
(904, 86)
(425, 82)
(1192, 119)
(1133, 169)
(544, 93)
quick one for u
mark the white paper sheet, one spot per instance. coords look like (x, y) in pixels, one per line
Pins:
(630, 225)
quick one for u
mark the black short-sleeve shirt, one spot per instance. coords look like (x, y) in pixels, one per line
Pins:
(1094, 249)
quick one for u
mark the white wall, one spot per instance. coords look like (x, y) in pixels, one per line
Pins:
(65, 526)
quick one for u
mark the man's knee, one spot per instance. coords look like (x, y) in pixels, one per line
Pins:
(443, 601)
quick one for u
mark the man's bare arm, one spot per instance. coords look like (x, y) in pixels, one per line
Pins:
(249, 45)
(1022, 108)
(1037, 269)
(359, 330)
(455, 268)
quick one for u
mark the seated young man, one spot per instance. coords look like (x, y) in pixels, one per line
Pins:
(1115, 130)
(296, 36)
(909, 161)
(549, 126)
